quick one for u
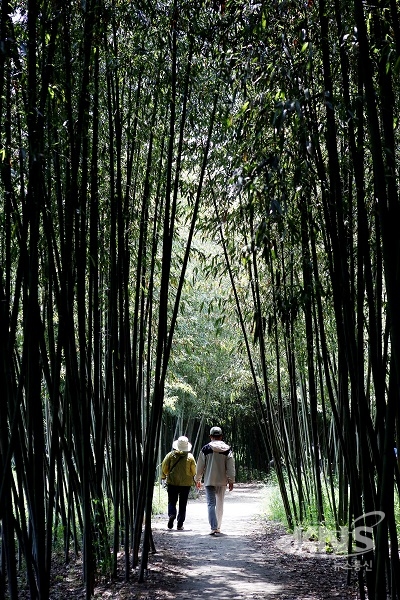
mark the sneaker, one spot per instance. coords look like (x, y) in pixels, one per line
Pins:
(171, 522)
(180, 528)
(214, 532)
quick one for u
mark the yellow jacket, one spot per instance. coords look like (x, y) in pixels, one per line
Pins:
(179, 468)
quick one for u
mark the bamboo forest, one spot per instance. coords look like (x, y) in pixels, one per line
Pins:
(199, 224)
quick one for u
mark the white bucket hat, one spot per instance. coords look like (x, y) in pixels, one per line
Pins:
(182, 444)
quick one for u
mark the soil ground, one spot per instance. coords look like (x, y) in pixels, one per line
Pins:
(252, 559)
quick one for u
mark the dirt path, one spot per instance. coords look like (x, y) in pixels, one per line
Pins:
(253, 559)
(246, 561)
(223, 567)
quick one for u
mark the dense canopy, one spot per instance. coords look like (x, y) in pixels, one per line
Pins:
(199, 209)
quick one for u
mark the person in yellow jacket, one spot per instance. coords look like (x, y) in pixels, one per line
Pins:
(178, 468)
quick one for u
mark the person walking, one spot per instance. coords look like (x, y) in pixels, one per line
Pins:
(217, 464)
(178, 469)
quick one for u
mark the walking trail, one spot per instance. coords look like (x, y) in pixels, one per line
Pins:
(250, 559)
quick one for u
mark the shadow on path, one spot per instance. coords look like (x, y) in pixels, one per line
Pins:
(226, 566)
(238, 564)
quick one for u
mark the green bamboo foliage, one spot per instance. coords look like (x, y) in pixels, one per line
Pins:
(111, 118)
(95, 143)
(311, 191)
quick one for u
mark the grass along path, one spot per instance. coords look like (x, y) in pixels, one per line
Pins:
(251, 559)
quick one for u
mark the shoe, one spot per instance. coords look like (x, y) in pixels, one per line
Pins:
(214, 532)
(171, 522)
(180, 528)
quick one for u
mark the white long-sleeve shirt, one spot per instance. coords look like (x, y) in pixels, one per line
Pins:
(216, 463)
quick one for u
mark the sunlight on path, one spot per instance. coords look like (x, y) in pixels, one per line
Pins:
(229, 566)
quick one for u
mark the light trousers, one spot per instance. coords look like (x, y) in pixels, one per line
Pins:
(215, 495)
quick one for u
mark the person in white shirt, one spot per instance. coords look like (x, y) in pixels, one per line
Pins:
(217, 465)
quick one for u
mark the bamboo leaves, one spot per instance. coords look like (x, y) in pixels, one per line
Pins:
(321, 132)
(114, 145)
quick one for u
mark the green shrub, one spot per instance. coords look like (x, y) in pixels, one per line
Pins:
(160, 500)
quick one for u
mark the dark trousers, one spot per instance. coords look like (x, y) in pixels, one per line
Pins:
(176, 492)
